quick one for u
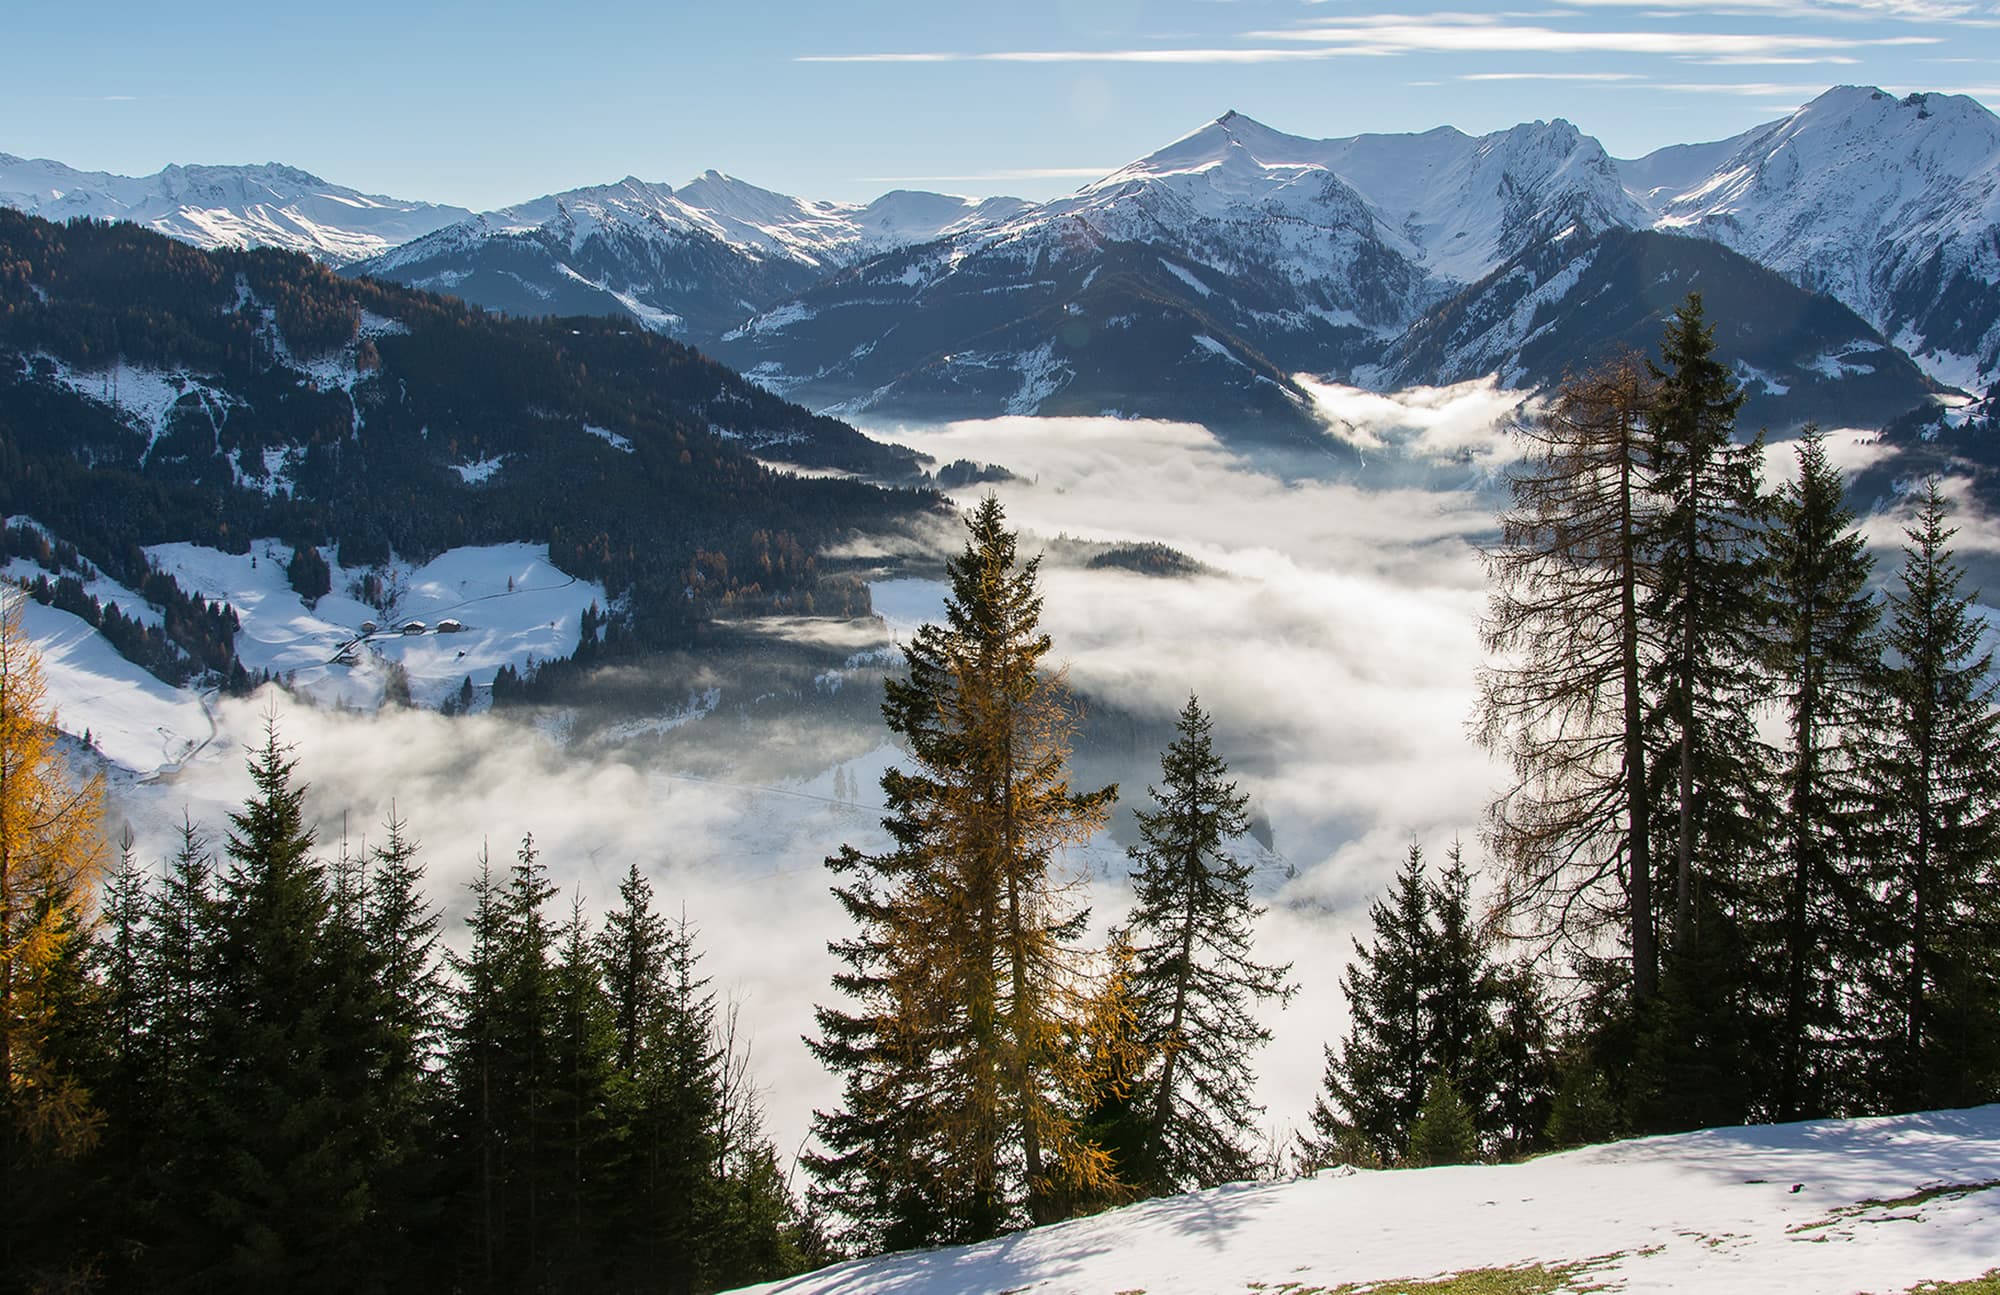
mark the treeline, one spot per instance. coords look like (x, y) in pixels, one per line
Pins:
(261, 1069)
(261, 444)
(1753, 811)
(1706, 926)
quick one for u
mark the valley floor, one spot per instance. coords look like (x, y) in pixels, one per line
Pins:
(1822, 1208)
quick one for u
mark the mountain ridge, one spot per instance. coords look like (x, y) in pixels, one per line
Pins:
(1315, 256)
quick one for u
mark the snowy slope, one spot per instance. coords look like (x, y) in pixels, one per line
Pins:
(132, 718)
(227, 206)
(1879, 1205)
(514, 606)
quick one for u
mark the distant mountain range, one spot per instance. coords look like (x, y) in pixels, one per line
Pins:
(1852, 251)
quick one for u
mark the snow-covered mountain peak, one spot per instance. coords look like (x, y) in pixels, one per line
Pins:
(1890, 204)
(1231, 140)
(227, 206)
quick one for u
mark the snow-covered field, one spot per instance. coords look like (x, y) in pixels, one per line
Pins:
(514, 607)
(132, 718)
(1823, 1208)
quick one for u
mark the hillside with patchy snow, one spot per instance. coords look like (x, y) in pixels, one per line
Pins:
(1822, 1208)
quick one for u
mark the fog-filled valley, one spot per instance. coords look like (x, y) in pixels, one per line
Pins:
(1327, 618)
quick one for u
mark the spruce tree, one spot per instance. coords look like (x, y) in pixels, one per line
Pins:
(579, 1120)
(1825, 660)
(679, 1127)
(1192, 925)
(473, 1064)
(963, 975)
(1375, 1084)
(403, 932)
(1932, 993)
(1709, 607)
(632, 948)
(1714, 807)
(285, 1143)
(1460, 992)
(1518, 1062)
(1443, 1132)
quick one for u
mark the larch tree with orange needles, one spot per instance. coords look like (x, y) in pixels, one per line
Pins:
(51, 854)
(963, 1075)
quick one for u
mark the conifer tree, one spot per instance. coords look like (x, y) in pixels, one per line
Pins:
(1933, 991)
(1376, 1083)
(1564, 699)
(633, 947)
(1518, 1061)
(1193, 975)
(402, 929)
(288, 1065)
(1710, 608)
(1460, 992)
(1715, 808)
(1825, 659)
(524, 1009)
(680, 1120)
(1443, 1132)
(958, 1074)
(473, 1064)
(1115, 1106)
(579, 1118)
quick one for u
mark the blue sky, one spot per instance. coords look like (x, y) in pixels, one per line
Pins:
(484, 104)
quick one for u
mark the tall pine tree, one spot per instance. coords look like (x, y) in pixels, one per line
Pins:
(1933, 992)
(1375, 1084)
(1825, 659)
(1192, 925)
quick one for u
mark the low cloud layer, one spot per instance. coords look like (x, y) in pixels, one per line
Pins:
(1333, 637)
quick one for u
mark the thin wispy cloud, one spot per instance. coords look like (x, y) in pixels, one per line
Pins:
(1387, 35)
(1469, 34)
(1786, 96)
(1804, 10)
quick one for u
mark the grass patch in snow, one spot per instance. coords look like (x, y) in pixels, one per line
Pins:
(1526, 1279)
(1910, 1201)
(1923, 1195)
(1987, 1285)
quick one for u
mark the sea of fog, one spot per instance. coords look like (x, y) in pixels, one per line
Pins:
(1333, 636)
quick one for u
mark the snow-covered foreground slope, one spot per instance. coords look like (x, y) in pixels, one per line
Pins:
(1831, 1206)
